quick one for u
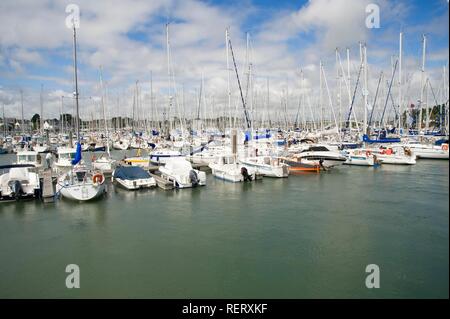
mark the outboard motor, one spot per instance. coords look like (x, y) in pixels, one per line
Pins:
(247, 176)
(16, 189)
(193, 177)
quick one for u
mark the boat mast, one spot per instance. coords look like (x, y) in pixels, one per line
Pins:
(400, 102)
(4, 121)
(62, 116)
(152, 124)
(41, 118)
(168, 75)
(320, 96)
(228, 75)
(422, 75)
(23, 122)
(446, 109)
(75, 75)
(366, 90)
(104, 111)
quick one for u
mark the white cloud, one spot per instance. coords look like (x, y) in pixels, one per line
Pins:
(127, 38)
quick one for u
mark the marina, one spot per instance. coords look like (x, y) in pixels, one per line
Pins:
(256, 180)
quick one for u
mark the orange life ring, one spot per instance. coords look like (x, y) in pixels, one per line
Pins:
(368, 153)
(97, 178)
(445, 147)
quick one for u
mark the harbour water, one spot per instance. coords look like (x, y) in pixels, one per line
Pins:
(308, 236)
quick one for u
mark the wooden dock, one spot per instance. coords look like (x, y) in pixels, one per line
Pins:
(48, 189)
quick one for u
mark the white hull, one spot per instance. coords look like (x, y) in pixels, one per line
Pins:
(431, 153)
(360, 161)
(135, 184)
(268, 170)
(120, 146)
(161, 159)
(397, 159)
(30, 184)
(230, 172)
(82, 192)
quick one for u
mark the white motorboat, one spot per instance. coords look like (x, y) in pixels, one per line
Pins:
(180, 172)
(81, 184)
(360, 157)
(208, 155)
(267, 166)
(132, 177)
(161, 157)
(230, 169)
(321, 155)
(395, 155)
(428, 151)
(19, 181)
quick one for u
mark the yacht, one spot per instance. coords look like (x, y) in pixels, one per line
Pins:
(321, 155)
(81, 184)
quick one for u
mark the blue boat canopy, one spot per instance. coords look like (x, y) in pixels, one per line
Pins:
(381, 140)
(131, 173)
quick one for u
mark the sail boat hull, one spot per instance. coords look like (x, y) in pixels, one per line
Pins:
(82, 192)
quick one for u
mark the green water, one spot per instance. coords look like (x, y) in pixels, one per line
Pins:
(308, 236)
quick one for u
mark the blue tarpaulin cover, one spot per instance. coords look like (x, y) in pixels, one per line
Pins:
(77, 158)
(130, 173)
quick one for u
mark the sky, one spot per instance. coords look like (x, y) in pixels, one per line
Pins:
(127, 40)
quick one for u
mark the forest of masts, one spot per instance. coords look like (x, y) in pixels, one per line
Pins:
(344, 99)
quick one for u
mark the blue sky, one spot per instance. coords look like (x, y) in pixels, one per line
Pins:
(127, 38)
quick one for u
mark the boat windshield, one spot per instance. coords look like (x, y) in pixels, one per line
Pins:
(317, 149)
(26, 158)
(68, 156)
